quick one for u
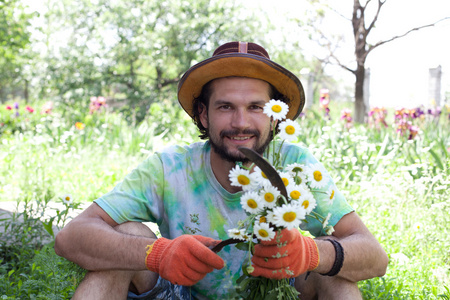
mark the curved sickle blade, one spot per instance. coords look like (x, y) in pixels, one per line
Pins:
(267, 168)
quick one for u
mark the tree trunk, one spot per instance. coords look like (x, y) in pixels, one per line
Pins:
(360, 106)
(25, 92)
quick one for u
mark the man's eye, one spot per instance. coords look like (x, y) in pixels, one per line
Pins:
(256, 107)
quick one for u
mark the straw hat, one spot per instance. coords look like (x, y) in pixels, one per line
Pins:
(243, 60)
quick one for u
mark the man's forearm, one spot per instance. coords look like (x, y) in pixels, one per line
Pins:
(363, 257)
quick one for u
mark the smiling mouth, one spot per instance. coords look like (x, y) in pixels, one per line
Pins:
(240, 138)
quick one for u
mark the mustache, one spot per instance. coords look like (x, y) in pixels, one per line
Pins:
(225, 133)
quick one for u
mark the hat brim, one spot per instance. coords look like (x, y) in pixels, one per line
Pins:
(241, 65)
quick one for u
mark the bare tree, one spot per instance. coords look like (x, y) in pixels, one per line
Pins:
(361, 30)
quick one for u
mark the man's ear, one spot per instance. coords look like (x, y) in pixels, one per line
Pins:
(203, 114)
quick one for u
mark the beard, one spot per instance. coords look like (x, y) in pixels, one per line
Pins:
(219, 147)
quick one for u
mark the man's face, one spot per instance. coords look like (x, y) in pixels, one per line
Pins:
(235, 117)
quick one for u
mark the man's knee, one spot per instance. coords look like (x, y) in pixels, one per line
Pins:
(116, 282)
(316, 286)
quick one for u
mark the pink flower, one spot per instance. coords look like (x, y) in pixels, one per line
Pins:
(377, 116)
(413, 130)
(29, 109)
(47, 108)
(96, 103)
(324, 97)
(9, 107)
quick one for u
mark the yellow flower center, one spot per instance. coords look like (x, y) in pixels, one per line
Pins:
(244, 180)
(295, 195)
(285, 181)
(332, 194)
(67, 198)
(262, 220)
(269, 197)
(263, 175)
(290, 129)
(305, 204)
(289, 216)
(317, 175)
(263, 233)
(276, 108)
(252, 203)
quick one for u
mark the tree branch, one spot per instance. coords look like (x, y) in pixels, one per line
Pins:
(375, 18)
(402, 35)
(338, 13)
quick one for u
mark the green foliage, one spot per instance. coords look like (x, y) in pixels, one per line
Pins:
(399, 187)
(14, 39)
(29, 266)
(45, 276)
(133, 52)
(263, 288)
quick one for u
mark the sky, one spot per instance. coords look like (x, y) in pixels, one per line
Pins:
(399, 69)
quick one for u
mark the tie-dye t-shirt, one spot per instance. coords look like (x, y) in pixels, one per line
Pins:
(176, 188)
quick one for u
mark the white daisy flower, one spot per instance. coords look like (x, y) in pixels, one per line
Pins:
(298, 172)
(330, 193)
(270, 218)
(329, 230)
(295, 168)
(259, 176)
(236, 233)
(289, 130)
(308, 202)
(287, 178)
(252, 203)
(269, 195)
(295, 191)
(327, 219)
(317, 176)
(242, 178)
(276, 109)
(67, 199)
(247, 237)
(261, 219)
(263, 232)
(288, 216)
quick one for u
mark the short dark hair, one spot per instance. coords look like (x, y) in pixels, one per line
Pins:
(202, 102)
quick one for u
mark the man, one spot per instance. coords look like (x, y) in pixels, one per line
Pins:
(187, 192)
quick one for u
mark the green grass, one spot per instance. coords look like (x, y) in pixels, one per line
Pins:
(400, 188)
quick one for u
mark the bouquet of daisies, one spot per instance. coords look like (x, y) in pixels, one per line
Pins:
(269, 212)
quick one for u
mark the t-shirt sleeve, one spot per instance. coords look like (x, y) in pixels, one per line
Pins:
(331, 202)
(139, 196)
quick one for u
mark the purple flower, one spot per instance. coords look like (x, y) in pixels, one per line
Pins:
(436, 112)
(16, 105)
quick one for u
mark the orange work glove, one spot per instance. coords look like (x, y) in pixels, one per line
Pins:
(184, 260)
(296, 255)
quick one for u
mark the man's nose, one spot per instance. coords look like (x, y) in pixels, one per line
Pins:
(240, 119)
